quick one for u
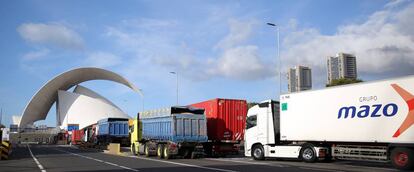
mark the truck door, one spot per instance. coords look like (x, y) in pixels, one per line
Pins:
(250, 133)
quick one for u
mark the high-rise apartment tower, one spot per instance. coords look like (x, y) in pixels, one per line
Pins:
(299, 79)
(342, 66)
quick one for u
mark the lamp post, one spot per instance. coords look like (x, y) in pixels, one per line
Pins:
(142, 97)
(1, 115)
(176, 73)
(278, 56)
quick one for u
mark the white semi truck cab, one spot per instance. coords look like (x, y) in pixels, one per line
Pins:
(262, 137)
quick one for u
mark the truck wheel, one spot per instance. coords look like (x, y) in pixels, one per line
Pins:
(307, 153)
(402, 158)
(193, 155)
(133, 150)
(160, 149)
(166, 152)
(146, 150)
(257, 152)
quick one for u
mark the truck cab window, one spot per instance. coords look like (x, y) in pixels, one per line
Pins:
(251, 121)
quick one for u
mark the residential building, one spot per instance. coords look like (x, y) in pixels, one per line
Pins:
(341, 66)
(299, 79)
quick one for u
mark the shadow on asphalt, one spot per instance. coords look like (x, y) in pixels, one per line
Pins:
(229, 168)
(338, 162)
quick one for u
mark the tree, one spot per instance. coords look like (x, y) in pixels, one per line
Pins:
(343, 81)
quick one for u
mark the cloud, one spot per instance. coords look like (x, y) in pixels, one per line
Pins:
(383, 44)
(234, 60)
(102, 59)
(239, 32)
(148, 23)
(242, 63)
(36, 55)
(51, 34)
(395, 3)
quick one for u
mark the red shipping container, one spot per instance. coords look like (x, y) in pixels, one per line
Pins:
(226, 119)
(77, 136)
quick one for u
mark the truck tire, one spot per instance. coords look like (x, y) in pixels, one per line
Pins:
(133, 150)
(258, 152)
(166, 152)
(193, 155)
(146, 150)
(402, 158)
(307, 153)
(160, 149)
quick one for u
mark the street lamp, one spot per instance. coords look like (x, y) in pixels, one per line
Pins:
(278, 56)
(176, 73)
(142, 97)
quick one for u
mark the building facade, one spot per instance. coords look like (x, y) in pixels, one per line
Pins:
(341, 66)
(299, 79)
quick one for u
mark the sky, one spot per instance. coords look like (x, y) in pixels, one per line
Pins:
(217, 48)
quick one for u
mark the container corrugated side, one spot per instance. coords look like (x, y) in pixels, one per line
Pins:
(175, 128)
(226, 118)
(115, 128)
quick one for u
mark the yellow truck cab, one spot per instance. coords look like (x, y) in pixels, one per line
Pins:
(136, 136)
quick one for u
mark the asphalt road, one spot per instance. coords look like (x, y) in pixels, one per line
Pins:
(65, 158)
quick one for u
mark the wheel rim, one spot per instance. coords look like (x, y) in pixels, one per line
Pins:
(257, 152)
(159, 151)
(401, 158)
(166, 152)
(307, 153)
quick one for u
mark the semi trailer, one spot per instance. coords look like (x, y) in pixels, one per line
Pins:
(76, 137)
(169, 132)
(364, 121)
(112, 130)
(226, 120)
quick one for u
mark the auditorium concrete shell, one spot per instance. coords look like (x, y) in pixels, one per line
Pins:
(40, 104)
(84, 107)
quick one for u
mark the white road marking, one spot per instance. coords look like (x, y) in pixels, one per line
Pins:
(244, 162)
(319, 169)
(376, 168)
(182, 164)
(109, 163)
(35, 159)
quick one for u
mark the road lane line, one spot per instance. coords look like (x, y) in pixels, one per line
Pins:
(35, 159)
(244, 162)
(376, 168)
(109, 163)
(182, 164)
(320, 169)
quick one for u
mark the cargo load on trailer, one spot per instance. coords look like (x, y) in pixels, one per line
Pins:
(112, 130)
(226, 119)
(364, 121)
(169, 132)
(76, 137)
(90, 134)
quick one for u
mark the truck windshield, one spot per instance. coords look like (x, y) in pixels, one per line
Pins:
(251, 121)
(188, 110)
